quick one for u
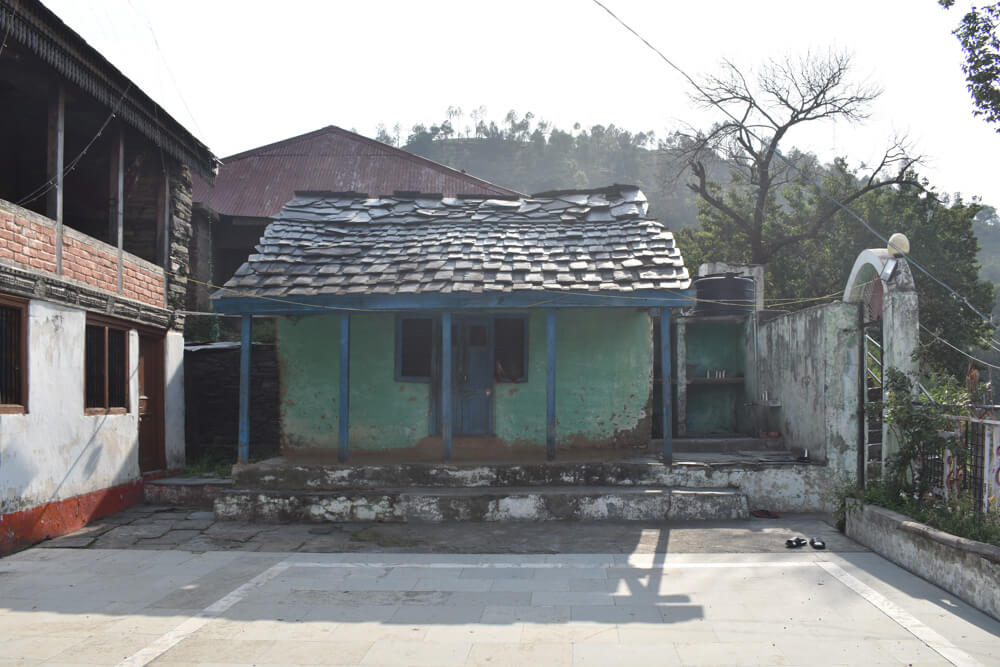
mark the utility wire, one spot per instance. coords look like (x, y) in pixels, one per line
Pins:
(166, 65)
(962, 352)
(44, 188)
(788, 162)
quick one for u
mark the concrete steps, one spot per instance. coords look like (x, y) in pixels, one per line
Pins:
(280, 474)
(703, 486)
(508, 503)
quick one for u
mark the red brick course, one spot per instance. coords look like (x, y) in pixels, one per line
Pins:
(31, 245)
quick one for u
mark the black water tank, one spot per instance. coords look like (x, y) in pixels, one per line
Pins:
(723, 294)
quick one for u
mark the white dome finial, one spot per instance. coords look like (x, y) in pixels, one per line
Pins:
(899, 245)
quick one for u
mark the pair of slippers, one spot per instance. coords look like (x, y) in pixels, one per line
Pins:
(797, 542)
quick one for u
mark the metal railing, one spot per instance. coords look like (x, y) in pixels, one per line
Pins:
(977, 470)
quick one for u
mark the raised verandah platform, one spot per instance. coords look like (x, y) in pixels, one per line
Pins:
(716, 485)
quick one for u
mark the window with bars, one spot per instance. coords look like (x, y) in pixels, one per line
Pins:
(13, 356)
(106, 368)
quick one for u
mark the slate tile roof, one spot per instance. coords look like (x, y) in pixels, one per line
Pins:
(324, 243)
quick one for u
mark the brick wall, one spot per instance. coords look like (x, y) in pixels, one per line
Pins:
(28, 241)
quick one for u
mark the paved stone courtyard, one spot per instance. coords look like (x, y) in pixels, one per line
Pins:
(191, 529)
(171, 586)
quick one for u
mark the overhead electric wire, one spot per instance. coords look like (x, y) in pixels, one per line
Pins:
(44, 188)
(788, 162)
(960, 351)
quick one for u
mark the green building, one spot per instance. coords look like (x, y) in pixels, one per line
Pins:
(419, 326)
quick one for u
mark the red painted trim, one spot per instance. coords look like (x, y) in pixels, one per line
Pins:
(160, 474)
(24, 528)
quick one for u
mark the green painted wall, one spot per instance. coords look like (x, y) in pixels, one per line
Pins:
(715, 345)
(385, 414)
(604, 361)
(603, 383)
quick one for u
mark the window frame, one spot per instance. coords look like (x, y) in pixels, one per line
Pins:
(107, 323)
(524, 319)
(22, 353)
(435, 338)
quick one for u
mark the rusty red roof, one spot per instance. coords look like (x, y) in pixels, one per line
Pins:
(258, 182)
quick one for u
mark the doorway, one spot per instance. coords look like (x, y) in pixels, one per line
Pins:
(472, 376)
(152, 449)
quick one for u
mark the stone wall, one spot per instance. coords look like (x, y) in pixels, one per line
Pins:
(212, 390)
(180, 238)
(967, 569)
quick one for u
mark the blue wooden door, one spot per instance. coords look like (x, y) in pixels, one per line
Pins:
(472, 362)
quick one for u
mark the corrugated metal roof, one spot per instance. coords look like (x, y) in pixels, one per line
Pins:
(258, 182)
(324, 243)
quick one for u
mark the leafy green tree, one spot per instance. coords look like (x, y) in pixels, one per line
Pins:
(977, 33)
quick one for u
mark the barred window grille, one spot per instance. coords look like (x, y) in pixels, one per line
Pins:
(12, 355)
(106, 367)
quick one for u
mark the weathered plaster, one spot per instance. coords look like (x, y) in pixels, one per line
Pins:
(384, 413)
(552, 504)
(604, 361)
(967, 569)
(808, 363)
(173, 350)
(55, 452)
(780, 487)
(603, 383)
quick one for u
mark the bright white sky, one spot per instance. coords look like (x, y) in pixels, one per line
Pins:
(242, 73)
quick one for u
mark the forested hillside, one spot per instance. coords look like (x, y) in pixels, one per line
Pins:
(531, 157)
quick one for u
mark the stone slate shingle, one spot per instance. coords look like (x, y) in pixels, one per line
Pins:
(348, 243)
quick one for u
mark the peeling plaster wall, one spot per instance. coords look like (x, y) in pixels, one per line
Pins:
(808, 361)
(384, 413)
(604, 361)
(55, 452)
(603, 383)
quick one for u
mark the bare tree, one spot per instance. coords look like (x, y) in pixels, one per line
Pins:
(784, 95)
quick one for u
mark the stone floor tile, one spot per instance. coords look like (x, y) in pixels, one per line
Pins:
(516, 655)
(642, 654)
(477, 633)
(415, 654)
(755, 653)
(571, 598)
(106, 648)
(229, 651)
(570, 632)
(304, 652)
(372, 631)
(428, 615)
(526, 614)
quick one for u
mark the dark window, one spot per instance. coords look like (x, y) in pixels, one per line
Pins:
(477, 335)
(13, 356)
(416, 343)
(510, 349)
(106, 368)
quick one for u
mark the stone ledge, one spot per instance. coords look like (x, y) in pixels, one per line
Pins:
(965, 568)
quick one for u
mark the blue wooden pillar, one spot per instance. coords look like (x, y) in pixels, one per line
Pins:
(665, 398)
(243, 450)
(344, 423)
(446, 384)
(550, 383)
